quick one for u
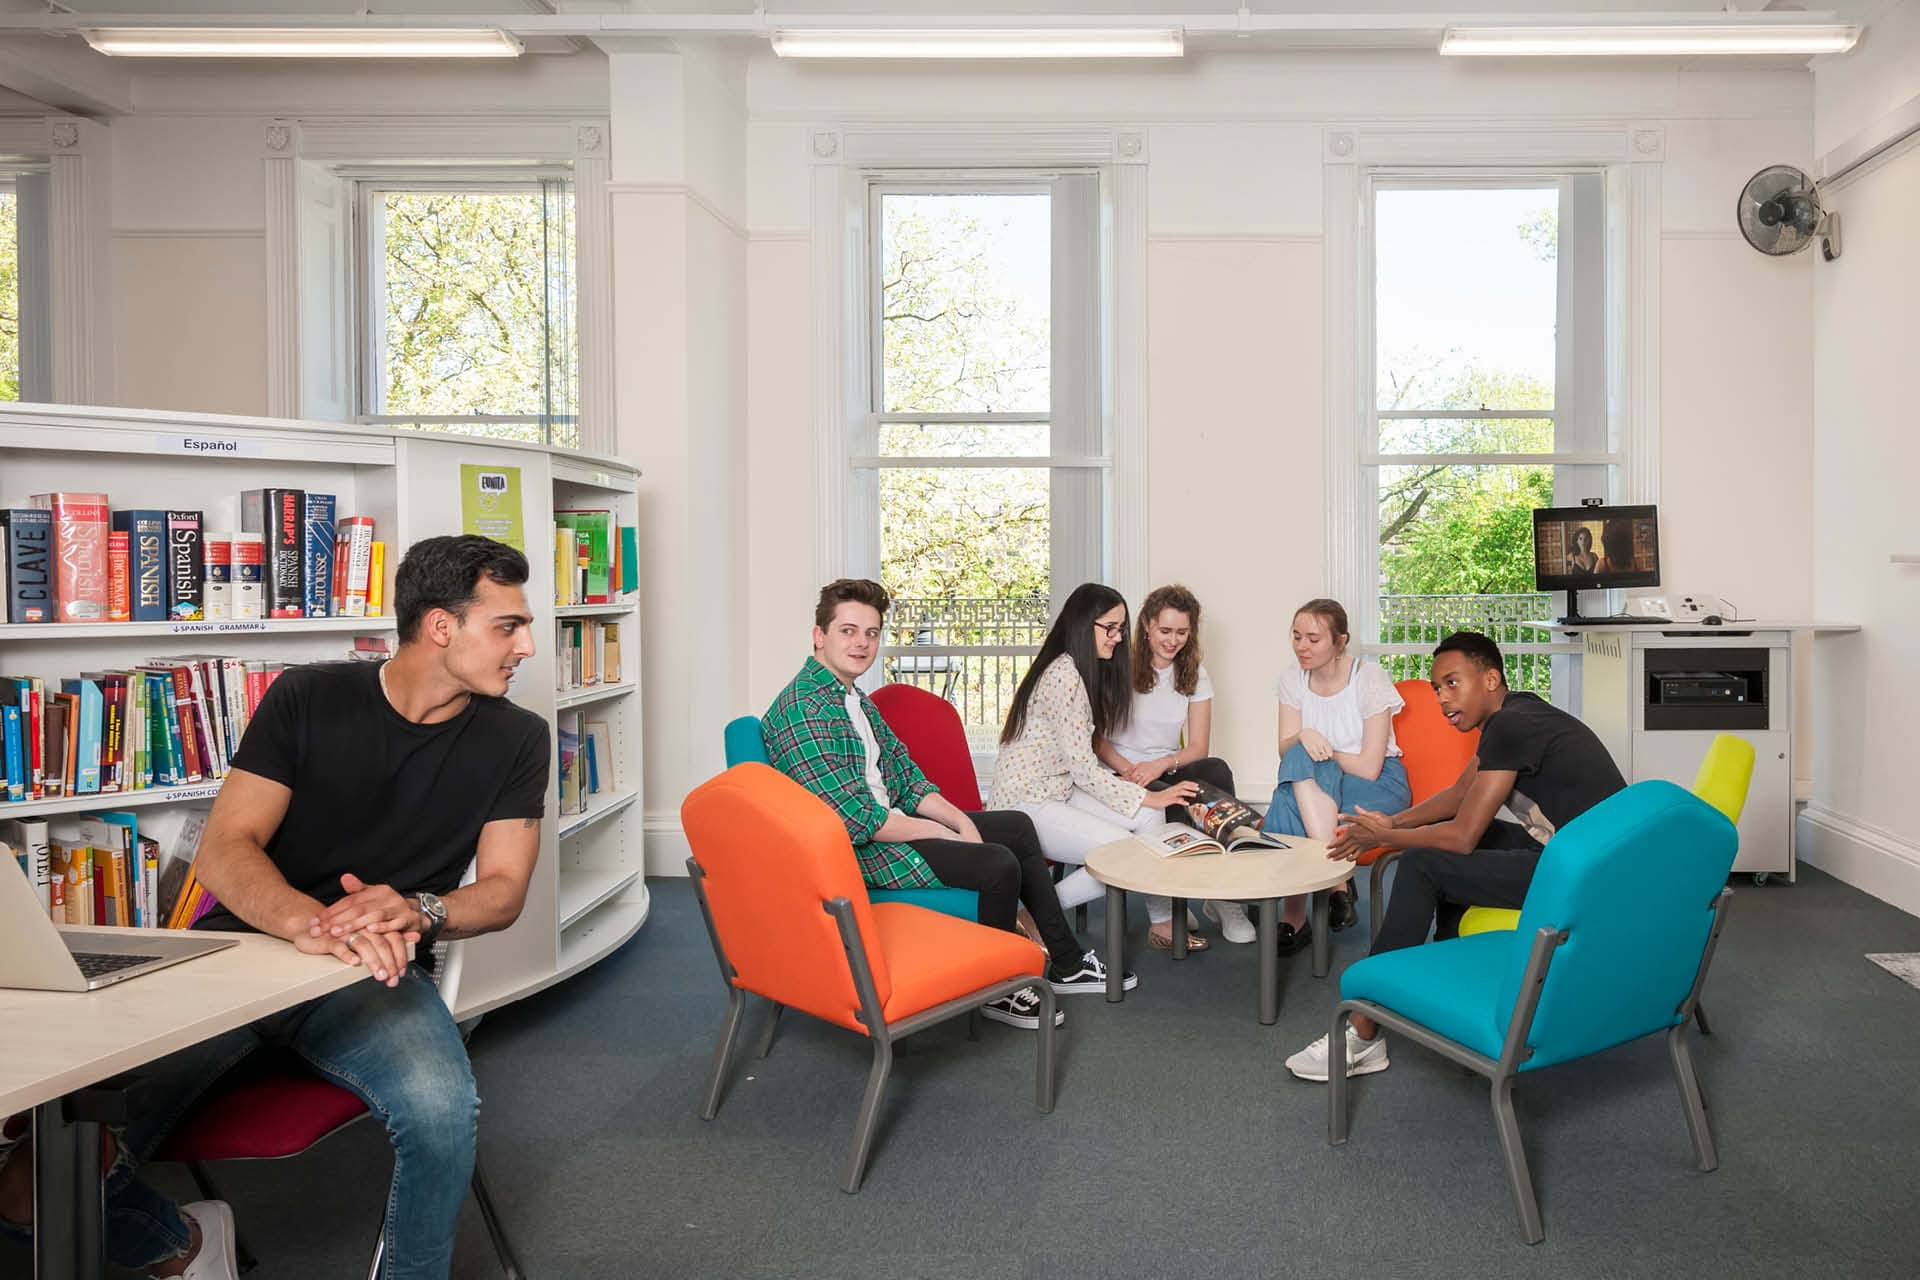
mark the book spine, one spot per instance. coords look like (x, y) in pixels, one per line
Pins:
(217, 555)
(377, 579)
(79, 554)
(146, 562)
(359, 539)
(186, 567)
(317, 540)
(112, 718)
(29, 567)
(119, 597)
(249, 570)
(16, 760)
(180, 700)
(286, 595)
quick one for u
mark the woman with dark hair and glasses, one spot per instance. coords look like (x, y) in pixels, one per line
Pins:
(1078, 689)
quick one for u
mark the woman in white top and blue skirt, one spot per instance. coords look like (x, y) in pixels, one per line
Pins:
(1165, 738)
(1336, 748)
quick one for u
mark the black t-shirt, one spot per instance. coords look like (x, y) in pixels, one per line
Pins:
(1563, 769)
(374, 794)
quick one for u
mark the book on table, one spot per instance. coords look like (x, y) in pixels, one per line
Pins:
(1223, 825)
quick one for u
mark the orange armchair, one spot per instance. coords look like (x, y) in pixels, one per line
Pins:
(790, 921)
(1434, 753)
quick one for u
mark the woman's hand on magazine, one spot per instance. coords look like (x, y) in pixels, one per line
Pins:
(1318, 748)
(1178, 793)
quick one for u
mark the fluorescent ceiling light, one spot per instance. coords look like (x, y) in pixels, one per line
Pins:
(1648, 41)
(302, 42)
(1089, 43)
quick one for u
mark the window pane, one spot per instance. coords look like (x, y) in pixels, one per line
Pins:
(1459, 530)
(965, 302)
(9, 294)
(963, 440)
(1466, 435)
(1465, 284)
(477, 309)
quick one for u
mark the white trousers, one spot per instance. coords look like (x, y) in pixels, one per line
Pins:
(1070, 829)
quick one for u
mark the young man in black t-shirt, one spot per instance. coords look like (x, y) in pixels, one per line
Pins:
(356, 800)
(1534, 759)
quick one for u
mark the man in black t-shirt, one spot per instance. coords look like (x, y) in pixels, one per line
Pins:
(1534, 759)
(359, 795)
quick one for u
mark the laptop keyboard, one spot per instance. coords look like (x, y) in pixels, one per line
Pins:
(94, 964)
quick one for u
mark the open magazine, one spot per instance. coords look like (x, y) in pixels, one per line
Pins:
(1224, 826)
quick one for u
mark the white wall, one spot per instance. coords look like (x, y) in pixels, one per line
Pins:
(1235, 280)
(1866, 313)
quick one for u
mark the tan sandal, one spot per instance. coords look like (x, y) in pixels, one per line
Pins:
(1164, 942)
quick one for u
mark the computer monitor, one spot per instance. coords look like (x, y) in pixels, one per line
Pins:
(1579, 549)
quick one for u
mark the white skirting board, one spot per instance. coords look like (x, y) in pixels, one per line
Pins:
(667, 850)
(1871, 859)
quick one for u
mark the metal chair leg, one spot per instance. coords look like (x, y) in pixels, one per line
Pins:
(502, 1247)
(1692, 1100)
(1519, 1181)
(1322, 934)
(1044, 1051)
(1700, 1018)
(717, 1079)
(379, 1252)
(1337, 1083)
(855, 1167)
(243, 1257)
(1377, 894)
(773, 1025)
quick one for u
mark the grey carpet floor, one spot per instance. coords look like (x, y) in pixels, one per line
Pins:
(1179, 1142)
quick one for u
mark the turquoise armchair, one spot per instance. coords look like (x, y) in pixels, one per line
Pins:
(1613, 944)
(744, 743)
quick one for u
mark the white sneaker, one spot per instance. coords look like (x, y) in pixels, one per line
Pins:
(1232, 919)
(215, 1259)
(1364, 1057)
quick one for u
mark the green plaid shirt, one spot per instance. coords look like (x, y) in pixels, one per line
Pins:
(812, 741)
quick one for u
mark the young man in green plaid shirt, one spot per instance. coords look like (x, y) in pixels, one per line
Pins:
(826, 735)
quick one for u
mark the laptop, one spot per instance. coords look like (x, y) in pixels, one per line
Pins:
(38, 955)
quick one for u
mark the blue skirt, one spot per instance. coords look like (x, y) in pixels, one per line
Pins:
(1388, 793)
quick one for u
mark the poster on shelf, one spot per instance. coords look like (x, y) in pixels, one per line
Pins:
(490, 504)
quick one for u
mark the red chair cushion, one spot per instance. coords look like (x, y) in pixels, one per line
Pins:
(265, 1118)
(934, 735)
(935, 958)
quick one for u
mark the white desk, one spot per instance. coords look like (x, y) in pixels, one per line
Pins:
(59, 1043)
(1615, 665)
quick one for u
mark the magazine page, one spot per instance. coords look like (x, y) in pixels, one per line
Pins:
(1177, 841)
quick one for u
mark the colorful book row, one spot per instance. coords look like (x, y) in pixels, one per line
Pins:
(587, 653)
(100, 868)
(71, 558)
(595, 559)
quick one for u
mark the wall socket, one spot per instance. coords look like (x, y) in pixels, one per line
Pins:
(1692, 608)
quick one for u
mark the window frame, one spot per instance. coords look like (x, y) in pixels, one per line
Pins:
(367, 262)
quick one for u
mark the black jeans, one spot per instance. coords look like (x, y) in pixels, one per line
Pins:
(1212, 770)
(1006, 869)
(1432, 888)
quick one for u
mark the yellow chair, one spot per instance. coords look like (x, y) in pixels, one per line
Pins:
(1722, 782)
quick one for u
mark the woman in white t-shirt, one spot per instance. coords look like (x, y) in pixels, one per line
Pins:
(1164, 738)
(1336, 748)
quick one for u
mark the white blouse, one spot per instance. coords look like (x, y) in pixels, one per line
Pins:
(1158, 719)
(1054, 752)
(1341, 717)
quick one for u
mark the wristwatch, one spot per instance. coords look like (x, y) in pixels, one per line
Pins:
(435, 912)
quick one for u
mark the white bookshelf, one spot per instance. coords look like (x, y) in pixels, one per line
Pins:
(588, 895)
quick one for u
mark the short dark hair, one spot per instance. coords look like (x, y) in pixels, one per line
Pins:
(443, 572)
(1476, 648)
(849, 590)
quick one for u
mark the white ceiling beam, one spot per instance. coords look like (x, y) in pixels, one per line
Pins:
(65, 75)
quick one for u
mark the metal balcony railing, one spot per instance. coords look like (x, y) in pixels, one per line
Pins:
(973, 651)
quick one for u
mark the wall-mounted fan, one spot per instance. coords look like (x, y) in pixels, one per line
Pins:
(1780, 213)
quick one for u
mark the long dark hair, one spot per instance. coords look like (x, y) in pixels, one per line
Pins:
(1186, 663)
(1072, 634)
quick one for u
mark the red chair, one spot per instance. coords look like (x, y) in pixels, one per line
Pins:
(1434, 754)
(934, 735)
(790, 921)
(283, 1110)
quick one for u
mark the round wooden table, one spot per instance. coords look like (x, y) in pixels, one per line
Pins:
(1252, 875)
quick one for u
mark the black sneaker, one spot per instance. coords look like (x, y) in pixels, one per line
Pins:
(1021, 1009)
(1340, 911)
(1090, 977)
(1292, 940)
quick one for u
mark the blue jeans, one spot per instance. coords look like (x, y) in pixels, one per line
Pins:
(397, 1049)
(1388, 793)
